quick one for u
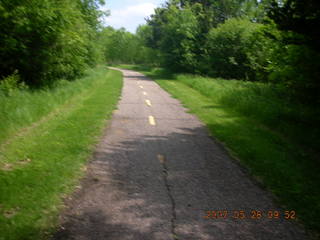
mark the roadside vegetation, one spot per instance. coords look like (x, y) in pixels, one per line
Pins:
(249, 69)
(22, 107)
(42, 162)
(251, 120)
(54, 103)
(263, 41)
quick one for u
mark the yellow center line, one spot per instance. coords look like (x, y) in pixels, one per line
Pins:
(152, 121)
(161, 158)
(141, 86)
(148, 103)
(144, 93)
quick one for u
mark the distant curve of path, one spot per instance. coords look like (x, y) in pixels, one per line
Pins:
(157, 172)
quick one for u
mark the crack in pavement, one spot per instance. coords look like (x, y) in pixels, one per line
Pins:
(165, 175)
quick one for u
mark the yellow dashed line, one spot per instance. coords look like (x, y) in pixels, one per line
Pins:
(161, 158)
(141, 87)
(152, 121)
(148, 103)
(144, 93)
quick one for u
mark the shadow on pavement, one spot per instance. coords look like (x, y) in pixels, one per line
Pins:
(158, 187)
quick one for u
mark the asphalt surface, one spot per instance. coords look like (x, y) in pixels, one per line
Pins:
(157, 173)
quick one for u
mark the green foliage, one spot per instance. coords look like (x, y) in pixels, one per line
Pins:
(260, 51)
(174, 32)
(240, 49)
(11, 83)
(298, 69)
(46, 40)
(216, 12)
(236, 39)
(180, 30)
(120, 46)
(296, 63)
(228, 48)
(178, 41)
(25, 106)
(147, 55)
(299, 17)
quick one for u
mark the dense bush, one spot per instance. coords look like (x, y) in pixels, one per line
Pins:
(178, 43)
(252, 40)
(297, 68)
(229, 49)
(11, 83)
(47, 40)
(120, 46)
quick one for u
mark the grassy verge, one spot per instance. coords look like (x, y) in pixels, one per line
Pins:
(270, 137)
(25, 107)
(44, 162)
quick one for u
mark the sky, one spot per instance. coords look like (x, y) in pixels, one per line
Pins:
(129, 13)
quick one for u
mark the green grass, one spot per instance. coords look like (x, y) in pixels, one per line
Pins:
(23, 108)
(44, 161)
(277, 141)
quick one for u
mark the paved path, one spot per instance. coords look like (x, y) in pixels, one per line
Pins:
(155, 175)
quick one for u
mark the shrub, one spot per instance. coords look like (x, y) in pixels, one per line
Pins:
(296, 67)
(229, 52)
(11, 83)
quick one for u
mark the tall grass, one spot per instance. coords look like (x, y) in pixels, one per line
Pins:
(266, 103)
(23, 107)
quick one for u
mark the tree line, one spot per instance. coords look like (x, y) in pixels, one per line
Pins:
(43, 41)
(274, 41)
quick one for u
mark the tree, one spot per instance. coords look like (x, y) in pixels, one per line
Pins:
(47, 40)
(229, 49)
(174, 32)
(299, 17)
(298, 62)
(180, 28)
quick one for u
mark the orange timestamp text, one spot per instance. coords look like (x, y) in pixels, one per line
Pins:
(252, 214)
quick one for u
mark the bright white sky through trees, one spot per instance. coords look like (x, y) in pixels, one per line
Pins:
(129, 13)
